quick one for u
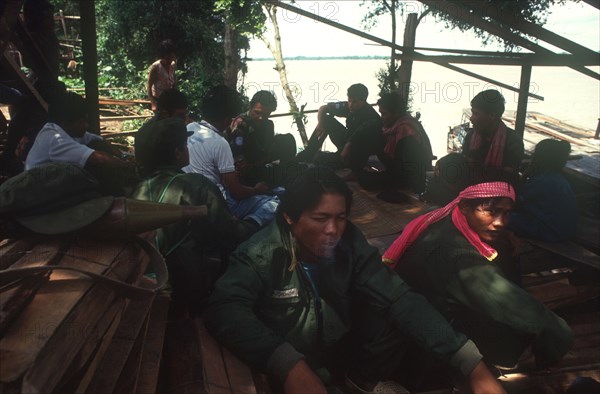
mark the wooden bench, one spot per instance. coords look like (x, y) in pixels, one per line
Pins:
(569, 250)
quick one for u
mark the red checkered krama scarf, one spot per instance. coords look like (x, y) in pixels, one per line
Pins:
(417, 226)
(405, 126)
(495, 154)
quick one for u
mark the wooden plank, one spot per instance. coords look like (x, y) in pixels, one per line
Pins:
(32, 329)
(127, 381)
(556, 60)
(561, 294)
(240, 376)
(44, 253)
(153, 345)
(110, 101)
(50, 306)
(81, 370)
(12, 250)
(122, 343)
(23, 80)
(15, 298)
(72, 333)
(182, 358)
(215, 376)
(126, 117)
(569, 250)
(552, 383)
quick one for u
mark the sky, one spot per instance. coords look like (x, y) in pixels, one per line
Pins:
(302, 36)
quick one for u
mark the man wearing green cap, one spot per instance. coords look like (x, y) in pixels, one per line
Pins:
(192, 249)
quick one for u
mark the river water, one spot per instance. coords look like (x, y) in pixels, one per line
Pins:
(438, 94)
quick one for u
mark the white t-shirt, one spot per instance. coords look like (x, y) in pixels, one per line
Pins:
(54, 145)
(210, 154)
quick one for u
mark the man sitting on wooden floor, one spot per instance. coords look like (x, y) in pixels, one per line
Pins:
(406, 152)
(355, 142)
(65, 139)
(493, 150)
(308, 301)
(192, 249)
(455, 257)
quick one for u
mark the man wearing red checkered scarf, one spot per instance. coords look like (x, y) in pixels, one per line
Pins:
(454, 256)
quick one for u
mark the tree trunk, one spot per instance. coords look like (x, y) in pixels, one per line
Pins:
(405, 72)
(393, 76)
(232, 57)
(90, 63)
(277, 52)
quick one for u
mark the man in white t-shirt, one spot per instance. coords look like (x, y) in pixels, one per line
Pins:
(64, 138)
(211, 156)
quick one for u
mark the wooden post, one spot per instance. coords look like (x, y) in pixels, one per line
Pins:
(523, 96)
(405, 71)
(90, 62)
(9, 14)
(62, 22)
(597, 130)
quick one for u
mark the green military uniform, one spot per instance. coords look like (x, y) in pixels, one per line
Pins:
(474, 294)
(271, 317)
(192, 249)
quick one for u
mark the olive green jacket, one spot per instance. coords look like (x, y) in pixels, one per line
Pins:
(442, 265)
(270, 318)
(219, 229)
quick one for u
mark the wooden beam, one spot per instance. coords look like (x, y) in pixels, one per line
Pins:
(23, 79)
(514, 21)
(30, 47)
(378, 40)
(593, 3)
(405, 70)
(534, 59)
(8, 19)
(492, 81)
(126, 117)
(90, 62)
(465, 15)
(522, 103)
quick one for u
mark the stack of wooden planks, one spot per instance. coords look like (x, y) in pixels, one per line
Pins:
(62, 331)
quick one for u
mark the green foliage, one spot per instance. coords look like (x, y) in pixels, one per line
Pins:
(386, 79)
(245, 16)
(133, 124)
(534, 11)
(376, 8)
(129, 32)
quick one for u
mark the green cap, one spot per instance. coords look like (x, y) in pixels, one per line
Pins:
(155, 136)
(53, 199)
